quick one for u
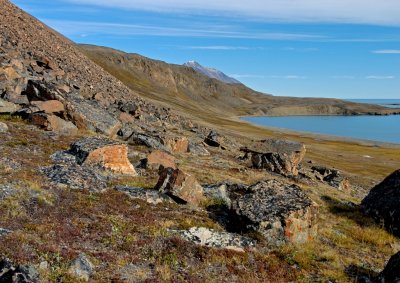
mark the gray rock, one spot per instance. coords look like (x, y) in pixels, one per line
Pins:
(3, 127)
(63, 157)
(383, 203)
(42, 91)
(278, 211)
(90, 115)
(76, 177)
(8, 107)
(130, 108)
(391, 273)
(211, 238)
(148, 195)
(198, 149)
(150, 141)
(7, 190)
(4, 232)
(213, 139)
(81, 268)
(17, 273)
(218, 191)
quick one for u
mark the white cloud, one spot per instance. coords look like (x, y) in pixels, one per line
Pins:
(76, 28)
(376, 12)
(387, 51)
(374, 77)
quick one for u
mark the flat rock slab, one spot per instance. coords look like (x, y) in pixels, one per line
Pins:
(89, 115)
(49, 106)
(53, 123)
(105, 153)
(8, 107)
(211, 238)
(150, 196)
(278, 211)
(181, 186)
(383, 203)
(76, 177)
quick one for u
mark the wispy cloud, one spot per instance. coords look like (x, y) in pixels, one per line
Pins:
(387, 51)
(212, 31)
(285, 77)
(374, 77)
(376, 12)
(295, 49)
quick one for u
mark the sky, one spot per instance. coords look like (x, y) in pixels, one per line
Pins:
(306, 48)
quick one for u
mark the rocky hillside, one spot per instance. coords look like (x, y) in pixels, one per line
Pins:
(99, 183)
(211, 72)
(198, 94)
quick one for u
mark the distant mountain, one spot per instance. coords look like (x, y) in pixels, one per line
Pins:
(212, 73)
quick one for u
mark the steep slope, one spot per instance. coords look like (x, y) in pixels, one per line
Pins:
(211, 72)
(193, 92)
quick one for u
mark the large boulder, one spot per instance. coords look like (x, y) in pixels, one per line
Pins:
(104, 153)
(50, 122)
(90, 115)
(278, 211)
(391, 273)
(180, 186)
(213, 139)
(279, 156)
(383, 203)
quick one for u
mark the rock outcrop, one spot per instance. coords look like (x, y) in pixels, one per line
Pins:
(383, 203)
(180, 186)
(49, 122)
(279, 156)
(332, 177)
(17, 273)
(213, 139)
(107, 154)
(279, 212)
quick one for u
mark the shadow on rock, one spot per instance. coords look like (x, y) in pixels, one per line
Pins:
(361, 274)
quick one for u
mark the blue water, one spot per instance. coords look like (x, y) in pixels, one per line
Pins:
(390, 103)
(374, 128)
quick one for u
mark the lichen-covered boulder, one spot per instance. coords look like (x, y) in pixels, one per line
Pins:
(383, 203)
(105, 153)
(180, 186)
(278, 211)
(279, 156)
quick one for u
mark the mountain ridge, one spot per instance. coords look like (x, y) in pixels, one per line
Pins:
(211, 72)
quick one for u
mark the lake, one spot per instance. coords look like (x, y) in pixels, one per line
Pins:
(373, 128)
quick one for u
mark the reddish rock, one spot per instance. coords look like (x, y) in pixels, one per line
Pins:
(49, 106)
(181, 186)
(10, 73)
(158, 157)
(126, 118)
(104, 153)
(51, 122)
(180, 145)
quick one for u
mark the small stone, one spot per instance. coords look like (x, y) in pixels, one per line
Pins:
(211, 238)
(3, 127)
(81, 268)
(4, 232)
(148, 195)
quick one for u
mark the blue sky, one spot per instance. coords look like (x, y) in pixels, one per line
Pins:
(315, 48)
